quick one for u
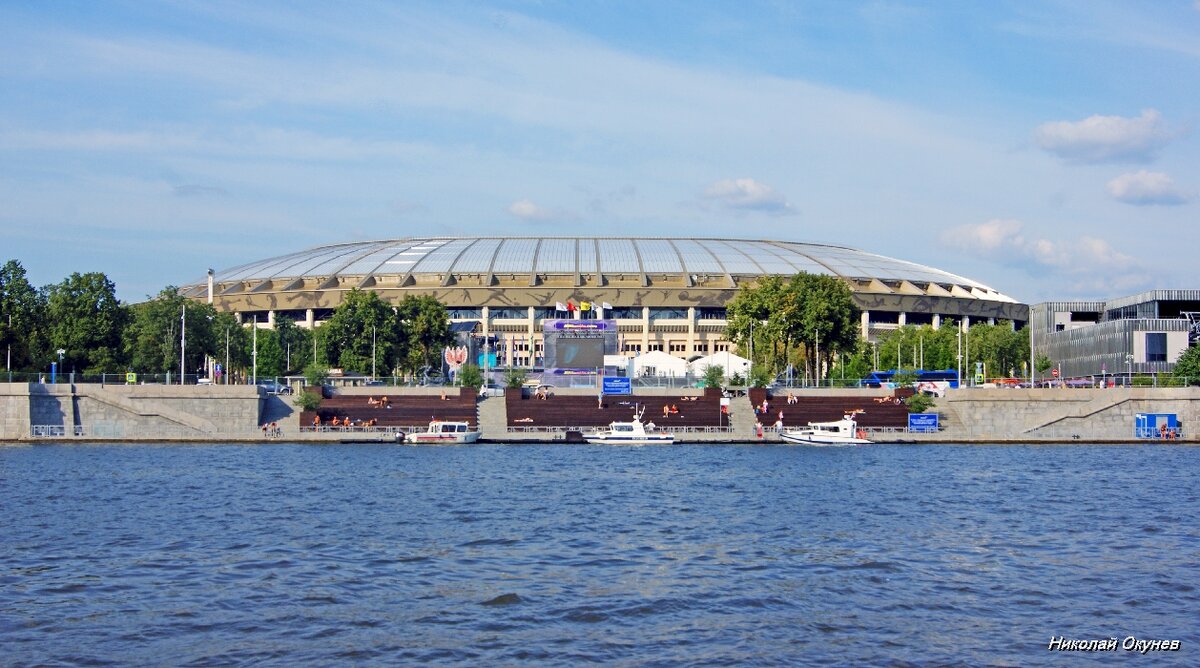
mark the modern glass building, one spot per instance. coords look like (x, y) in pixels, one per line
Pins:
(1142, 333)
(667, 294)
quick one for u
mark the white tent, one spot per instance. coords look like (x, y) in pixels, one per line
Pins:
(726, 360)
(658, 363)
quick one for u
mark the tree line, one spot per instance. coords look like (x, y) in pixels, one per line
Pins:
(97, 333)
(811, 323)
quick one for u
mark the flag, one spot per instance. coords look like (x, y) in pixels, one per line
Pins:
(606, 306)
(585, 306)
(571, 306)
(559, 306)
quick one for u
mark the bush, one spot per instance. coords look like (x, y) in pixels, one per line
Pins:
(1142, 381)
(919, 403)
(470, 376)
(515, 378)
(307, 401)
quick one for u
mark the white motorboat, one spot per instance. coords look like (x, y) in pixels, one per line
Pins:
(445, 433)
(839, 432)
(630, 433)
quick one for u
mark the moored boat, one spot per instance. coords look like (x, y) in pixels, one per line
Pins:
(444, 433)
(632, 432)
(837, 432)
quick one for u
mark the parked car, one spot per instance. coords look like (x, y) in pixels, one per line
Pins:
(274, 387)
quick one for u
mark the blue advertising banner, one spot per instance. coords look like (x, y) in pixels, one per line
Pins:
(923, 423)
(617, 385)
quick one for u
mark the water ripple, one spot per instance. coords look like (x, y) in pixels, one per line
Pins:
(500, 555)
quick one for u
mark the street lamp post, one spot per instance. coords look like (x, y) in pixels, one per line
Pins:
(254, 354)
(372, 352)
(959, 357)
(1129, 365)
(226, 354)
(182, 340)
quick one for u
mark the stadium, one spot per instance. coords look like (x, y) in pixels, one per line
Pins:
(665, 294)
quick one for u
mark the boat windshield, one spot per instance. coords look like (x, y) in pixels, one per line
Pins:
(622, 427)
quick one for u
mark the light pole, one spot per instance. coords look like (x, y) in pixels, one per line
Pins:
(372, 352)
(226, 354)
(959, 357)
(254, 353)
(1129, 364)
(182, 340)
(62, 352)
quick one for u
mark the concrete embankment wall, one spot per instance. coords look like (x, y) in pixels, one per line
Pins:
(1058, 414)
(172, 412)
(129, 412)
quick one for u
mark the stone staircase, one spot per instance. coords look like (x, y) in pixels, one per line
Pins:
(493, 418)
(178, 417)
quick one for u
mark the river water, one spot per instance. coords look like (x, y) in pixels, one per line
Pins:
(550, 554)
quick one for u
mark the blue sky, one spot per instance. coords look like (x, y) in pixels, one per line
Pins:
(1047, 149)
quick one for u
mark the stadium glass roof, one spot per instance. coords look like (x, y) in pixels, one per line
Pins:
(591, 255)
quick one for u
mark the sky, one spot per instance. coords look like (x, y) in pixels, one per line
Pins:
(1046, 149)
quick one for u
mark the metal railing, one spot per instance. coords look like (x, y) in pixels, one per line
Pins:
(55, 431)
(359, 429)
(1156, 433)
(558, 429)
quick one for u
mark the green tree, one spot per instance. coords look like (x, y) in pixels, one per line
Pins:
(759, 377)
(714, 375)
(470, 375)
(86, 319)
(152, 337)
(271, 356)
(807, 316)
(347, 335)
(1043, 364)
(295, 343)
(22, 319)
(1188, 366)
(425, 328)
(229, 344)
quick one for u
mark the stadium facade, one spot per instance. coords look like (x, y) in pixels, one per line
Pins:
(665, 294)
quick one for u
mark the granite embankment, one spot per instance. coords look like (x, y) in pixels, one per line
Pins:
(91, 412)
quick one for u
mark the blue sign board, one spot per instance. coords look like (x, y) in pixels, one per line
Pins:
(923, 423)
(617, 385)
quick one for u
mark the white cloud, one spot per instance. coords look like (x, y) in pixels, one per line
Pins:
(1085, 265)
(1144, 188)
(527, 210)
(1105, 138)
(747, 195)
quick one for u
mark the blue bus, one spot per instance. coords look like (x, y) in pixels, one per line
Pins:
(942, 378)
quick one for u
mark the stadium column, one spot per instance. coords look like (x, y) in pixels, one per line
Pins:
(902, 318)
(485, 314)
(645, 330)
(531, 328)
(271, 319)
(865, 325)
(691, 338)
(310, 319)
(937, 321)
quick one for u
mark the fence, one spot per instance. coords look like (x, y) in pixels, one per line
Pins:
(558, 429)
